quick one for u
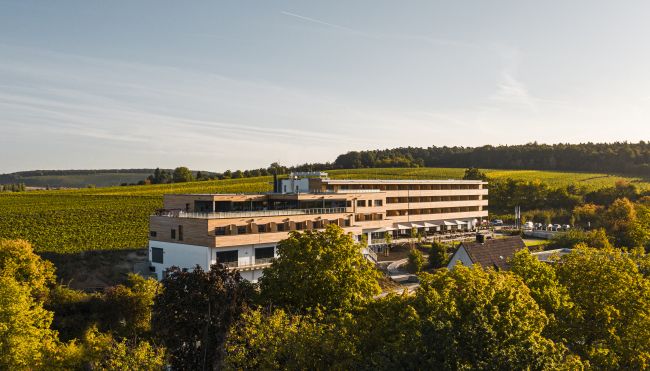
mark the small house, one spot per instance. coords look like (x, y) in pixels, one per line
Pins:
(487, 252)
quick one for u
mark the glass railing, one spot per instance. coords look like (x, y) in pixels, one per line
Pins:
(250, 214)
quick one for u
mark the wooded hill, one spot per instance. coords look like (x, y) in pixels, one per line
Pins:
(618, 157)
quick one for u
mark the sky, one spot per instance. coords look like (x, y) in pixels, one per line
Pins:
(216, 85)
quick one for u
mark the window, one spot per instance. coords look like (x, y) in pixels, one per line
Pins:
(281, 227)
(180, 233)
(157, 255)
(173, 234)
(227, 258)
(152, 233)
(379, 203)
(361, 203)
(241, 229)
(348, 203)
(300, 225)
(264, 253)
(261, 228)
(346, 222)
(220, 231)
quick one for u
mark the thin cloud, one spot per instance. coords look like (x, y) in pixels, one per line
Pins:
(317, 21)
(511, 90)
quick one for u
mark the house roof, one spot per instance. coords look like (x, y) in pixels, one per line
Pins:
(494, 252)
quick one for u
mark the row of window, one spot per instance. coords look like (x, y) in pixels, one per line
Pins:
(262, 254)
(403, 200)
(405, 187)
(445, 210)
(279, 227)
(173, 233)
(368, 203)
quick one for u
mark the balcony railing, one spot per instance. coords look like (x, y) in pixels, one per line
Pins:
(249, 214)
(237, 264)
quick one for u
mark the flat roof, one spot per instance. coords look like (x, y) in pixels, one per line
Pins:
(403, 181)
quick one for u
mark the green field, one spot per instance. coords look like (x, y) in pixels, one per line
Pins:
(70, 221)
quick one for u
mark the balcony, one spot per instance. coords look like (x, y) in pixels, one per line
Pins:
(249, 214)
(257, 264)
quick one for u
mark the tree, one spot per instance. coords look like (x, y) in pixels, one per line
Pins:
(415, 261)
(18, 261)
(319, 270)
(388, 238)
(103, 352)
(438, 255)
(611, 328)
(483, 319)
(128, 308)
(280, 341)
(160, 177)
(192, 315)
(545, 288)
(25, 335)
(182, 174)
(594, 238)
(473, 173)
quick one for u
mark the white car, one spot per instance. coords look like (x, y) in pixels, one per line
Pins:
(566, 227)
(557, 227)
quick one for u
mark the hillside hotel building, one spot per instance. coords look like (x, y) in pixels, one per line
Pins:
(242, 230)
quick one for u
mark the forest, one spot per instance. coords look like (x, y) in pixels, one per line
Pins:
(614, 158)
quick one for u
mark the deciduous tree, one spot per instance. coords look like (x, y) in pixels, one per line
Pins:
(194, 312)
(319, 269)
(611, 328)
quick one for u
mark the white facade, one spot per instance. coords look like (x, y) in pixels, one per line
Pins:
(188, 256)
(292, 185)
(179, 255)
(460, 256)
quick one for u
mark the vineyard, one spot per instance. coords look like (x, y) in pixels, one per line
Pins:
(71, 221)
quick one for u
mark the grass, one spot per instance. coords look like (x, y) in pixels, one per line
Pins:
(536, 243)
(72, 221)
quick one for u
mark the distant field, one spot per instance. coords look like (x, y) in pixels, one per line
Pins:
(82, 181)
(70, 221)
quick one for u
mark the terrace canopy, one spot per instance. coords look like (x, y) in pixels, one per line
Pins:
(431, 225)
(402, 226)
(415, 225)
(449, 224)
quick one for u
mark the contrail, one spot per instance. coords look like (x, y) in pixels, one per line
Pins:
(308, 19)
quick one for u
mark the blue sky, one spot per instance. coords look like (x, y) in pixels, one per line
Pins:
(225, 85)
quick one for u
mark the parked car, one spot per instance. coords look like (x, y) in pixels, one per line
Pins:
(566, 227)
(549, 227)
(497, 222)
(557, 227)
(539, 226)
(529, 225)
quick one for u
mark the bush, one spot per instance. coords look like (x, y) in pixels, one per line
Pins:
(438, 255)
(415, 261)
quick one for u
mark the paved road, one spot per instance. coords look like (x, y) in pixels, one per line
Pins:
(396, 273)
